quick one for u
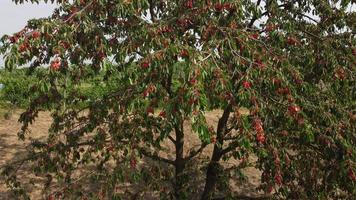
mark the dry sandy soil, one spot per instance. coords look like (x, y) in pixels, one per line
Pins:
(11, 149)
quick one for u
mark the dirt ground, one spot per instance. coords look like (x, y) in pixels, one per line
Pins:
(11, 149)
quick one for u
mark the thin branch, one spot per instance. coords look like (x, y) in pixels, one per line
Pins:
(75, 13)
(194, 153)
(156, 157)
(172, 139)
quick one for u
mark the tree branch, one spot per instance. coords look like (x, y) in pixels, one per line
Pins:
(194, 153)
(155, 157)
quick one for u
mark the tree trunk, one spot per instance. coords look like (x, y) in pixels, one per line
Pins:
(212, 174)
(213, 171)
(179, 163)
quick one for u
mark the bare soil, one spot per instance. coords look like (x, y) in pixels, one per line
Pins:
(11, 149)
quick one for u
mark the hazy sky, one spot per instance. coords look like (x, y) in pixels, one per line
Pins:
(14, 17)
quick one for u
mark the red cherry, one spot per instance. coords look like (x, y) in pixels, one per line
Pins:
(340, 74)
(354, 52)
(23, 47)
(283, 90)
(145, 65)
(193, 101)
(133, 163)
(246, 84)
(36, 34)
(162, 114)
(193, 81)
(184, 53)
(258, 126)
(74, 10)
(351, 174)
(64, 44)
(278, 179)
(13, 39)
(260, 64)
(213, 140)
(51, 197)
(145, 93)
(260, 137)
(227, 6)
(290, 99)
(276, 81)
(270, 189)
(293, 109)
(189, 4)
(150, 110)
(56, 64)
(218, 7)
(292, 41)
(111, 148)
(101, 55)
(270, 27)
(254, 36)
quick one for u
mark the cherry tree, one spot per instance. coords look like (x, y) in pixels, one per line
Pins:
(289, 65)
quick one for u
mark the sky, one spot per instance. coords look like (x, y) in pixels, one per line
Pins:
(14, 17)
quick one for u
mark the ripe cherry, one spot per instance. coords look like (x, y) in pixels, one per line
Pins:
(294, 109)
(246, 84)
(227, 6)
(354, 52)
(162, 113)
(213, 140)
(270, 27)
(145, 65)
(36, 34)
(340, 74)
(218, 7)
(254, 36)
(292, 41)
(56, 64)
(133, 163)
(258, 126)
(13, 39)
(189, 4)
(193, 81)
(184, 53)
(64, 44)
(260, 137)
(23, 47)
(278, 179)
(51, 197)
(351, 174)
(150, 110)
(276, 81)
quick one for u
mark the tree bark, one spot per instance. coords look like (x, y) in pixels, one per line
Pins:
(212, 174)
(179, 162)
(213, 171)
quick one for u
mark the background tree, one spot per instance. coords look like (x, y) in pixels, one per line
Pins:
(290, 64)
